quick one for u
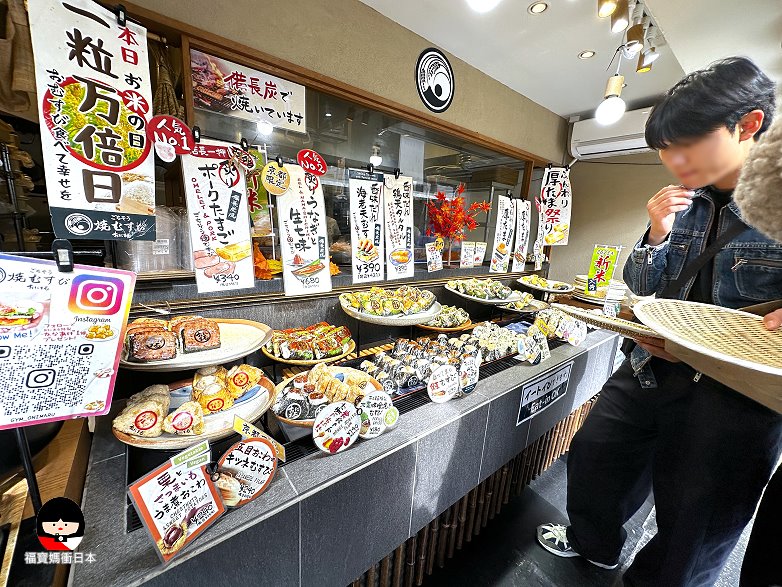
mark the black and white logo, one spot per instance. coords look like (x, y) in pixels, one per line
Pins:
(78, 224)
(434, 80)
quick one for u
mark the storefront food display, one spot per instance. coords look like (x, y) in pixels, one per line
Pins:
(150, 339)
(547, 285)
(404, 306)
(526, 305)
(317, 342)
(450, 318)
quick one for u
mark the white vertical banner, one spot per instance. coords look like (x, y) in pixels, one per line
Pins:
(218, 217)
(398, 197)
(94, 104)
(366, 223)
(556, 202)
(301, 218)
(523, 218)
(503, 235)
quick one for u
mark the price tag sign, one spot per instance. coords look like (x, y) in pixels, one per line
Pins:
(275, 179)
(480, 254)
(246, 470)
(312, 162)
(468, 374)
(467, 259)
(443, 384)
(336, 427)
(374, 408)
(434, 257)
(170, 136)
(247, 430)
(177, 501)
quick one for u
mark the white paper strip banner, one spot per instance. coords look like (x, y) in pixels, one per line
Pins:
(398, 196)
(218, 218)
(503, 235)
(467, 259)
(94, 103)
(366, 222)
(556, 203)
(301, 214)
(523, 217)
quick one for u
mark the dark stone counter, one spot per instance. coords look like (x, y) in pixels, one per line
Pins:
(325, 519)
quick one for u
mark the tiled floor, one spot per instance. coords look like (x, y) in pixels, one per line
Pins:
(507, 554)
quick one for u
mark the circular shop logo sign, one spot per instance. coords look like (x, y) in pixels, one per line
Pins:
(78, 224)
(434, 80)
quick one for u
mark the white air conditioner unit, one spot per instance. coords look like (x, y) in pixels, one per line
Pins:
(591, 140)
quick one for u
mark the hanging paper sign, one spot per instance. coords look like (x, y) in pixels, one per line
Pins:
(469, 371)
(467, 259)
(177, 501)
(434, 257)
(218, 218)
(374, 411)
(480, 254)
(602, 266)
(366, 215)
(301, 217)
(556, 202)
(443, 384)
(170, 136)
(244, 159)
(95, 100)
(276, 179)
(523, 223)
(246, 470)
(503, 235)
(258, 198)
(336, 427)
(398, 196)
(60, 339)
(228, 88)
(312, 162)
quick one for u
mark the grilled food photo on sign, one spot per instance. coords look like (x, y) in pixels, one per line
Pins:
(366, 251)
(235, 252)
(400, 256)
(310, 268)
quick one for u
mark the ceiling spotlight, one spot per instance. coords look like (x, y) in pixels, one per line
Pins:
(586, 54)
(265, 127)
(537, 8)
(351, 114)
(605, 8)
(612, 107)
(635, 39)
(483, 5)
(620, 19)
(375, 159)
(365, 118)
(643, 66)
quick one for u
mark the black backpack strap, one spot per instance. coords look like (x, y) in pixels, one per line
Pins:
(697, 264)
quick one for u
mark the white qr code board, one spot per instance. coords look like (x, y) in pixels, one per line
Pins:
(60, 339)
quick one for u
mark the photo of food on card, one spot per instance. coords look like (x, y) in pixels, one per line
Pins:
(19, 312)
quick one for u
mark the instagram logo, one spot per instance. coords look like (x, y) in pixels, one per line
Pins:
(91, 294)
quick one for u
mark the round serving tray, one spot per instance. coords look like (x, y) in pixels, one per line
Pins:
(310, 363)
(466, 326)
(310, 423)
(238, 339)
(565, 290)
(400, 320)
(513, 297)
(532, 308)
(216, 426)
(620, 325)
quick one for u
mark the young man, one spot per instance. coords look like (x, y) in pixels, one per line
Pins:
(705, 450)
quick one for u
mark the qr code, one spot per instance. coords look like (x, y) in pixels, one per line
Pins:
(41, 379)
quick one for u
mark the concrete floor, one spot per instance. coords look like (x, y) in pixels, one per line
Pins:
(507, 554)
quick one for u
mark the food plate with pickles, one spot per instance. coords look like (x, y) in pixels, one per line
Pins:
(404, 306)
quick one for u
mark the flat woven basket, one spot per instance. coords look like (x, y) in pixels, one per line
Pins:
(728, 335)
(619, 325)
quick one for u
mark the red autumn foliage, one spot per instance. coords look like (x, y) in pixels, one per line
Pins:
(450, 219)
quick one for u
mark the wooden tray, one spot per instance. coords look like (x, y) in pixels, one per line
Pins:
(569, 288)
(466, 326)
(310, 423)
(400, 320)
(620, 325)
(239, 338)
(513, 297)
(301, 363)
(217, 426)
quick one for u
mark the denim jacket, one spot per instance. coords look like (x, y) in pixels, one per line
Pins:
(747, 271)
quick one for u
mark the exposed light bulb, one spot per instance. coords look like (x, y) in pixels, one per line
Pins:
(265, 127)
(483, 5)
(375, 159)
(610, 110)
(605, 8)
(620, 19)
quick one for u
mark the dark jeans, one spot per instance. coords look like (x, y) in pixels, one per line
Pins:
(762, 564)
(706, 452)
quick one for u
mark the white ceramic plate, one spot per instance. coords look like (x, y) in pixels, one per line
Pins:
(515, 296)
(399, 320)
(567, 289)
(531, 308)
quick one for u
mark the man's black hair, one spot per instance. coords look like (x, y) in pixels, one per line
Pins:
(709, 99)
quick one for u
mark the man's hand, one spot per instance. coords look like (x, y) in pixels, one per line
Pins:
(662, 209)
(656, 347)
(774, 320)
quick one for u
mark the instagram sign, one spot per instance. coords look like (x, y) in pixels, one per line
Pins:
(93, 294)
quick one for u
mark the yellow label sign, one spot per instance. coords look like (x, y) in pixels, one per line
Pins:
(247, 430)
(275, 179)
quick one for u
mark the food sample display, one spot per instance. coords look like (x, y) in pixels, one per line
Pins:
(319, 341)
(450, 317)
(495, 342)
(556, 324)
(377, 301)
(484, 289)
(543, 284)
(151, 339)
(305, 395)
(521, 303)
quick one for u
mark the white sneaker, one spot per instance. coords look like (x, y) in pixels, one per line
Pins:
(553, 537)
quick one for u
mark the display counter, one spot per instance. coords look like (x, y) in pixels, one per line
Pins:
(326, 519)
